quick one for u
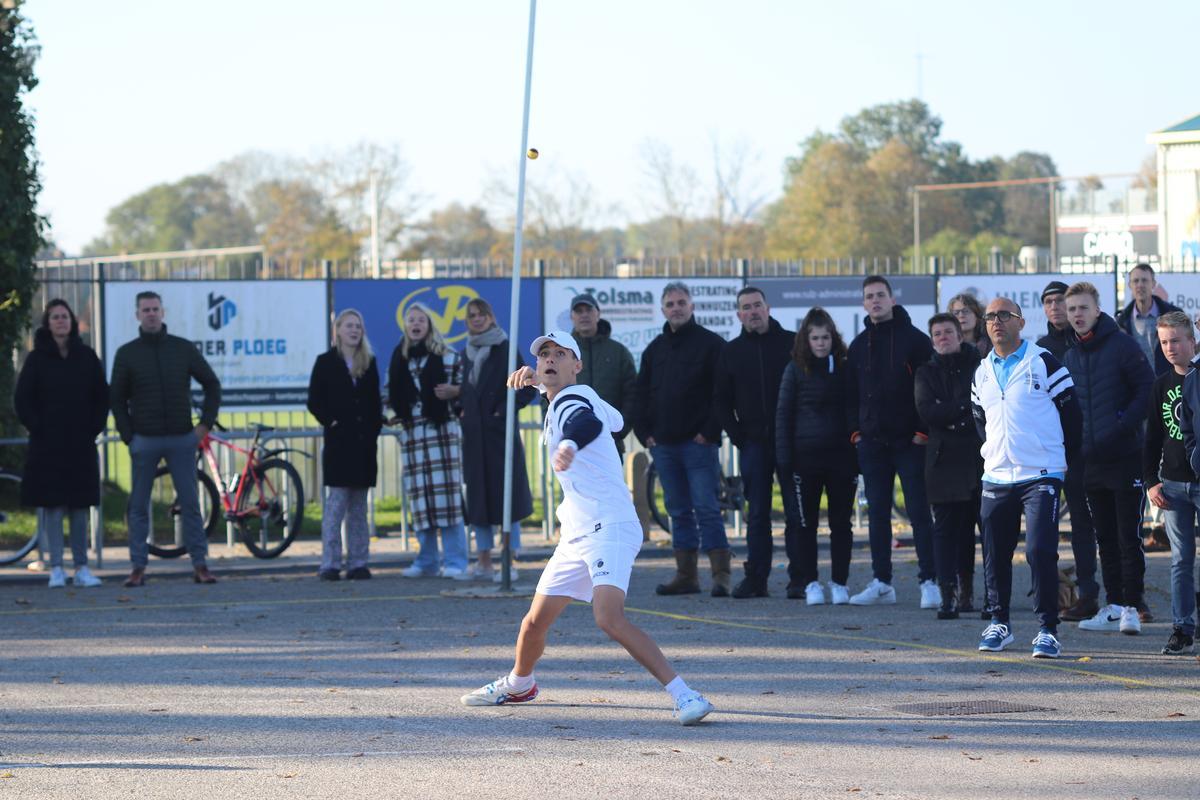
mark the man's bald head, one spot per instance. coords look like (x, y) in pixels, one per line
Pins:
(1004, 304)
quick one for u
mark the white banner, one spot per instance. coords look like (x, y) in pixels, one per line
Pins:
(260, 337)
(1026, 292)
(791, 299)
(634, 306)
(1183, 290)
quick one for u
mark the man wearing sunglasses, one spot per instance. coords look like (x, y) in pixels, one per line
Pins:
(1025, 409)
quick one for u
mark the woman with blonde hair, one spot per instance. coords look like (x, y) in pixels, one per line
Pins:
(343, 394)
(424, 381)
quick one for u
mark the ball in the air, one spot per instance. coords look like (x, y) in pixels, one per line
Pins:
(532, 153)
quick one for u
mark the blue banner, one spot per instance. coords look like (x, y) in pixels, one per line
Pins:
(383, 302)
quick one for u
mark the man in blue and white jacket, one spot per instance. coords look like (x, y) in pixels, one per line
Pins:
(1027, 415)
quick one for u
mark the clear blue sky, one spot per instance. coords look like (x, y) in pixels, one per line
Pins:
(135, 92)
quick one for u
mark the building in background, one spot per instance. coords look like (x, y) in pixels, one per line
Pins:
(1178, 150)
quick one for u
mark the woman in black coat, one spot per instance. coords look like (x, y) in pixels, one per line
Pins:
(343, 394)
(483, 399)
(953, 466)
(812, 445)
(62, 400)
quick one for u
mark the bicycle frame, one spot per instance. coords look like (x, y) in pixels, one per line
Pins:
(229, 502)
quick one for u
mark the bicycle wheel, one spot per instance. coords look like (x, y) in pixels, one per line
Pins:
(18, 526)
(166, 533)
(656, 512)
(270, 508)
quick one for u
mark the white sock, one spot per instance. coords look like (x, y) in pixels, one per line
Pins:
(520, 683)
(678, 689)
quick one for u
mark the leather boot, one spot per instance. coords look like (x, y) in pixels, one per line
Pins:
(949, 608)
(687, 578)
(966, 593)
(719, 560)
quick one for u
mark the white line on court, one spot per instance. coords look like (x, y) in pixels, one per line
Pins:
(184, 760)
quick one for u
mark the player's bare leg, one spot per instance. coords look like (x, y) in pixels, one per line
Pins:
(608, 607)
(531, 641)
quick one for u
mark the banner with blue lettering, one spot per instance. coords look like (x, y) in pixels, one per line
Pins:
(383, 302)
(260, 337)
(1026, 292)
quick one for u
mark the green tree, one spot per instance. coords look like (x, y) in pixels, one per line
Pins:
(456, 231)
(296, 224)
(20, 226)
(192, 213)
(1027, 208)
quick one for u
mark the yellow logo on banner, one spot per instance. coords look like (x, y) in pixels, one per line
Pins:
(453, 303)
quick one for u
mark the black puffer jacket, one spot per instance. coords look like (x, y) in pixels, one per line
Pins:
(953, 464)
(1112, 381)
(608, 368)
(882, 361)
(810, 418)
(1058, 342)
(63, 403)
(152, 386)
(748, 377)
(675, 386)
(351, 416)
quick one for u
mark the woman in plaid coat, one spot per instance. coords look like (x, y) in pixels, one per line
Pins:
(424, 382)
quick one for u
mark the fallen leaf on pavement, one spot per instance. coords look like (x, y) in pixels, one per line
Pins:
(1177, 714)
(940, 736)
(194, 738)
(1085, 659)
(21, 601)
(722, 758)
(124, 598)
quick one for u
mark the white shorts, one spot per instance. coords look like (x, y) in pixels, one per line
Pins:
(602, 558)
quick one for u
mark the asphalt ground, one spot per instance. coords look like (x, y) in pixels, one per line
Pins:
(271, 684)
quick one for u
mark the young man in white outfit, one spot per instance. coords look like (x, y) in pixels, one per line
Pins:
(600, 535)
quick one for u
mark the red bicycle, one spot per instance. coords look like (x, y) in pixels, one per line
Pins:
(265, 500)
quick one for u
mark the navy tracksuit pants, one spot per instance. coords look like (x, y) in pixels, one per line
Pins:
(1001, 508)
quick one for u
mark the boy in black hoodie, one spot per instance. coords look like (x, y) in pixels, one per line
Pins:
(890, 437)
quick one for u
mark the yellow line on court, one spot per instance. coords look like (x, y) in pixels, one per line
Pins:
(950, 651)
(218, 604)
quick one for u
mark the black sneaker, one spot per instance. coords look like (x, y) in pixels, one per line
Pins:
(358, 574)
(329, 575)
(1180, 644)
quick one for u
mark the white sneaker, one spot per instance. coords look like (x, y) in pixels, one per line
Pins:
(1108, 618)
(498, 574)
(692, 708)
(839, 595)
(456, 574)
(416, 572)
(1130, 623)
(814, 595)
(877, 593)
(931, 595)
(84, 577)
(497, 693)
(58, 578)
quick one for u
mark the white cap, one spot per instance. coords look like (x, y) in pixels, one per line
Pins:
(558, 337)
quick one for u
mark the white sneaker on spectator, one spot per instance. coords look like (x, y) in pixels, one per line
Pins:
(839, 595)
(931, 595)
(479, 573)
(814, 595)
(416, 572)
(84, 577)
(1108, 618)
(498, 574)
(877, 593)
(456, 574)
(1130, 623)
(58, 578)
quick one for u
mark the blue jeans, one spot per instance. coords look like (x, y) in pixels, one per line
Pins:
(454, 549)
(880, 463)
(1180, 521)
(758, 480)
(487, 536)
(690, 475)
(180, 452)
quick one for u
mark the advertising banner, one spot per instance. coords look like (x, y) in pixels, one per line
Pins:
(791, 298)
(1026, 292)
(383, 303)
(1182, 289)
(633, 306)
(260, 337)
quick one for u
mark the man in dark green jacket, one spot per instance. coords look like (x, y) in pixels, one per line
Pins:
(607, 364)
(152, 405)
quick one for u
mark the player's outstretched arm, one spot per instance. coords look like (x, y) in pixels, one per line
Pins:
(523, 377)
